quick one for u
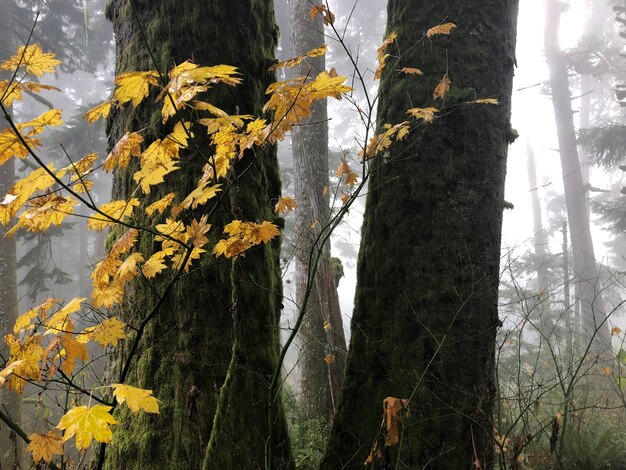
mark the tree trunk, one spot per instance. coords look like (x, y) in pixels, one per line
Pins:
(210, 352)
(585, 271)
(540, 237)
(321, 379)
(9, 401)
(425, 317)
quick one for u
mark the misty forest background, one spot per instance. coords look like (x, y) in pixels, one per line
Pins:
(560, 352)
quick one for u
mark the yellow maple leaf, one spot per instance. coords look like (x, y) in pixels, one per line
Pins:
(52, 117)
(36, 87)
(44, 446)
(87, 424)
(394, 410)
(493, 101)
(72, 351)
(444, 28)
(329, 17)
(201, 195)
(43, 211)
(425, 114)
(109, 332)
(134, 86)
(128, 270)
(117, 210)
(329, 359)
(382, 55)
(28, 350)
(616, 330)
(321, 50)
(285, 204)
(10, 92)
(11, 145)
(442, 87)
(24, 320)
(127, 146)
(160, 205)
(136, 398)
(411, 71)
(98, 112)
(33, 59)
(8, 370)
(155, 265)
(177, 260)
(152, 173)
(57, 322)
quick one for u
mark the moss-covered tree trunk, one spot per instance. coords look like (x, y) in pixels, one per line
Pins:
(193, 354)
(425, 318)
(9, 402)
(323, 350)
(586, 276)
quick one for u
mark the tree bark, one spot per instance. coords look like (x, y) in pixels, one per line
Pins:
(210, 352)
(321, 335)
(425, 316)
(585, 271)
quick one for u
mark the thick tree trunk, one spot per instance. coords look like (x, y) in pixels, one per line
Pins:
(9, 402)
(321, 379)
(585, 271)
(425, 317)
(213, 346)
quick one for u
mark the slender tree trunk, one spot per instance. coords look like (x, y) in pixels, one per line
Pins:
(322, 336)
(585, 275)
(210, 352)
(9, 401)
(425, 317)
(540, 238)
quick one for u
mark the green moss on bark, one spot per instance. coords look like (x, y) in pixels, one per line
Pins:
(187, 349)
(429, 260)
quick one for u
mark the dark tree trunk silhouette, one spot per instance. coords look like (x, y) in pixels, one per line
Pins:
(425, 317)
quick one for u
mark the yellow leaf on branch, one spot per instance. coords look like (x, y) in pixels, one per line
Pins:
(23, 322)
(135, 398)
(28, 350)
(57, 322)
(107, 333)
(442, 87)
(128, 146)
(394, 410)
(33, 59)
(117, 210)
(425, 114)
(44, 446)
(321, 50)
(284, 205)
(8, 370)
(444, 28)
(329, 17)
(134, 86)
(382, 55)
(411, 71)
(72, 351)
(98, 112)
(160, 205)
(87, 424)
